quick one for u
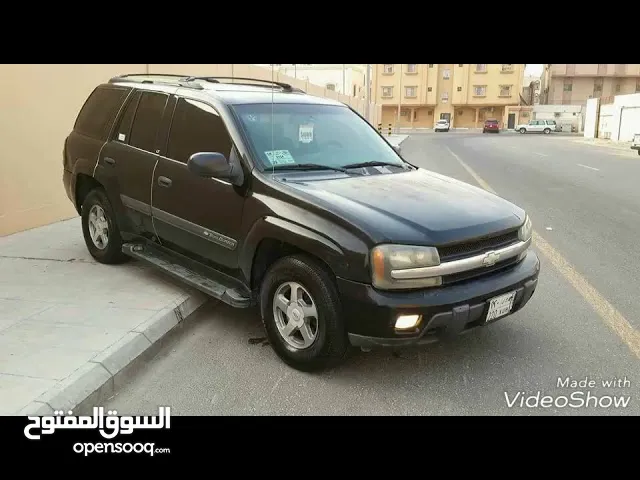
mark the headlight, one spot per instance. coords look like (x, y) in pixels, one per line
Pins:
(524, 234)
(389, 259)
(526, 230)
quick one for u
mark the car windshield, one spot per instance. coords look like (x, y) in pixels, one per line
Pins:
(322, 135)
(492, 121)
(442, 121)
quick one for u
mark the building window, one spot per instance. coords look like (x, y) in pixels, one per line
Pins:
(505, 90)
(404, 112)
(479, 90)
(461, 65)
(568, 87)
(431, 65)
(331, 86)
(387, 92)
(412, 67)
(355, 92)
(429, 89)
(446, 74)
(410, 92)
(459, 89)
(618, 88)
(507, 67)
(388, 68)
(445, 97)
(481, 67)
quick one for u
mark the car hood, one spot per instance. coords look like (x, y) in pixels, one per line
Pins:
(417, 207)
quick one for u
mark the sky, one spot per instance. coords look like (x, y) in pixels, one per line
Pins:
(533, 69)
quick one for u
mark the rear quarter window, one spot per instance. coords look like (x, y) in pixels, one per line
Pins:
(99, 112)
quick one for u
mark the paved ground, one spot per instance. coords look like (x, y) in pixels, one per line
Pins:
(67, 323)
(582, 322)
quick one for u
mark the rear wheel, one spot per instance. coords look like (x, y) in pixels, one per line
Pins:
(100, 230)
(523, 130)
(302, 315)
(638, 152)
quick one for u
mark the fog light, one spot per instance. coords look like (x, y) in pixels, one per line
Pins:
(405, 322)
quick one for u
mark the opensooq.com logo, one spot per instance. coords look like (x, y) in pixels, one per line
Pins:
(109, 425)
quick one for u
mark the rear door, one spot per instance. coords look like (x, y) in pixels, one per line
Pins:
(128, 160)
(200, 217)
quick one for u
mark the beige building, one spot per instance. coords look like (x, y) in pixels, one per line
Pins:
(574, 84)
(465, 94)
(345, 78)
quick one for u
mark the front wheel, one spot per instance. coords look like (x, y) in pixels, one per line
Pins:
(638, 152)
(523, 130)
(547, 131)
(301, 313)
(100, 230)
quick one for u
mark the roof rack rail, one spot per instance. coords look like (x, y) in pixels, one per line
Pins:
(285, 86)
(182, 80)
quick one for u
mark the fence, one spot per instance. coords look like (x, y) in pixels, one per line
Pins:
(38, 106)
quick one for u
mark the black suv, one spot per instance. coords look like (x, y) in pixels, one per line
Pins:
(259, 194)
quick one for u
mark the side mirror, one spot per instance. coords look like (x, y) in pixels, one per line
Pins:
(209, 165)
(397, 148)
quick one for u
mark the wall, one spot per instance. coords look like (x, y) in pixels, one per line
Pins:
(624, 108)
(570, 115)
(591, 118)
(38, 107)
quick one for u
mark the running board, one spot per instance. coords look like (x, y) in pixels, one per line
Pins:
(215, 285)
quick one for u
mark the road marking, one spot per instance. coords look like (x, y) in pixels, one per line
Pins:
(587, 166)
(607, 312)
(540, 154)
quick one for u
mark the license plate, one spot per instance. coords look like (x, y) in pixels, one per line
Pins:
(500, 306)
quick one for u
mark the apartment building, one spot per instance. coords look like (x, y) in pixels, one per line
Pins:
(574, 84)
(464, 94)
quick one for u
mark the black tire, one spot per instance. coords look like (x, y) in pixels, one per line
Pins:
(547, 131)
(523, 130)
(638, 152)
(112, 253)
(331, 344)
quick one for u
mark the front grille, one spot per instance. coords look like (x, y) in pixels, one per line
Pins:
(469, 249)
(482, 271)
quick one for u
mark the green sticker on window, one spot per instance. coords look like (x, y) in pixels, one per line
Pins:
(279, 157)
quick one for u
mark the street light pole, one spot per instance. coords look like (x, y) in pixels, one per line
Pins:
(367, 80)
(399, 101)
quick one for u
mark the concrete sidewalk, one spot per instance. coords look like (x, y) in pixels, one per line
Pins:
(396, 139)
(600, 142)
(69, 326)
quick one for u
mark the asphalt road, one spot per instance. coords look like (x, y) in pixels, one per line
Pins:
(583, 320)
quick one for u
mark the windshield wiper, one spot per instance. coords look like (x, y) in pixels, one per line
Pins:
(373, 164)
(308, 166)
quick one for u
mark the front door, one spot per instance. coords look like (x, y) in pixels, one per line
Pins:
(511, 121)
(200, 216)
(129, 159)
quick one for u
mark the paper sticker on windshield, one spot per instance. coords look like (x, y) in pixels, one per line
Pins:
(280, 157)
(305, 133)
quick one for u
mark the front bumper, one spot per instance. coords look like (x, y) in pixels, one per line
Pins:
(446, 311)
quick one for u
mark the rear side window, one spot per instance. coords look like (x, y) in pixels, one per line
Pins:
(123, 128)
(147, 120)
(99, 112)
(196, 127)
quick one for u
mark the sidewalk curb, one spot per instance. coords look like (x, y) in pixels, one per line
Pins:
(101, 377)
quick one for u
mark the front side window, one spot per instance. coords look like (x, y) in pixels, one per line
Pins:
(196, 127)
(332, 136)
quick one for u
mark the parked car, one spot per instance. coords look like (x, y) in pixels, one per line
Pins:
(538, 126)
(442, 126)
(491, 126)
(261, 195)
(635, 143)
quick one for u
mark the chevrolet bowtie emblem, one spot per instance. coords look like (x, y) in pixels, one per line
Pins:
(490, 259)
